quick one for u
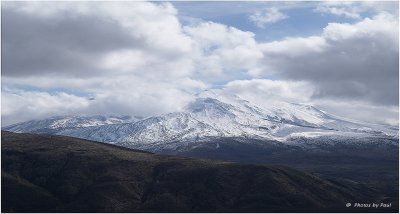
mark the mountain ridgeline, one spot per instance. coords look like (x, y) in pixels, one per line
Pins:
(355, 154)
(43, 173)
(206, 119)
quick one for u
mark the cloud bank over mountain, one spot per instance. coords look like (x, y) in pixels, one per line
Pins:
(140, 58)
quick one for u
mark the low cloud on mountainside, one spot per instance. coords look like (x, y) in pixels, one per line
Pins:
(140, 58)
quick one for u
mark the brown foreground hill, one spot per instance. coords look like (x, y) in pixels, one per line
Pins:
(43, 173)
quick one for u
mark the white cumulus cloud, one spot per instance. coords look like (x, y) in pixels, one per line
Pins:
(136, 58)
(345, 61)
(261, 18)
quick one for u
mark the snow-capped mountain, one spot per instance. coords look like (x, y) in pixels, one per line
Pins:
(208, 118)
(58, 123)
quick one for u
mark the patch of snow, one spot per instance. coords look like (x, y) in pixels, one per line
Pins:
(206, 118)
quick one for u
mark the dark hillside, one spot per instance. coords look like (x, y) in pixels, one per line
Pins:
(42, 173)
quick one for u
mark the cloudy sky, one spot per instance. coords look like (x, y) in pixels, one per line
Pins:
(149, 58)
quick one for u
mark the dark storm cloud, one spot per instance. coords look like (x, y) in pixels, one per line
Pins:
(65, 44)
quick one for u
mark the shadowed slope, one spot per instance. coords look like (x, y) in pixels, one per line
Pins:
(43, 173)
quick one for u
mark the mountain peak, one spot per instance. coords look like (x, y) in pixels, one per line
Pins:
(205, 117)
(203, 103)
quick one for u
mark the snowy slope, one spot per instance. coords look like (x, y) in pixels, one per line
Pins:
(169, 127)
(209, 117)
(66, 122)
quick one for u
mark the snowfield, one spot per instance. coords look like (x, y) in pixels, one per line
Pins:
(209, 117)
